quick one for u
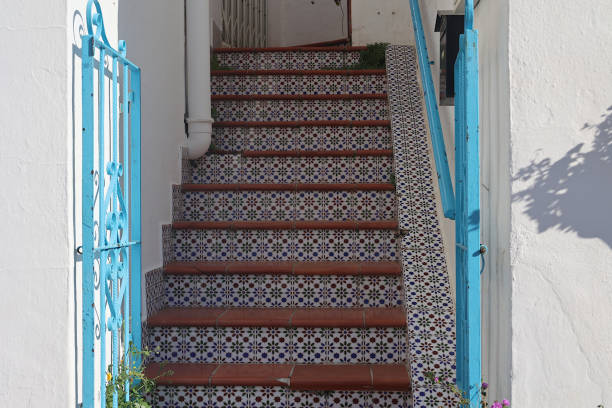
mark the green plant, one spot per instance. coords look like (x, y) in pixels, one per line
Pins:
(373, 57)
(131, 374)
(462, 400)
(215, 65)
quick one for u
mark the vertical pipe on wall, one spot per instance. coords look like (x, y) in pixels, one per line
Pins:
(199, 122)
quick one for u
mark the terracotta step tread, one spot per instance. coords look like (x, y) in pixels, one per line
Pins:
(300, 123)
(286, 97)
(287, 225)
(383, 268)
(346, 72)
(316, 153)
(278, 317)
(321, 377)
(281, 49)
(290, 187)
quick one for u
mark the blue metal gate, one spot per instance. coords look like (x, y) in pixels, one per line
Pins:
(464, 206)
(110, 209)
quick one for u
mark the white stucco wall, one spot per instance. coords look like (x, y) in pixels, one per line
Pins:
(298, 22)
(381, 21)
(561, 234)
(40, 158)
(154, 33)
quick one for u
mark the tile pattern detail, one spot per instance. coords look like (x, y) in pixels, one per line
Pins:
(309, 138)
(288, 60)
(272, 345)
(430, 309)
(285, 205)
(296, 109)
(234, 168)
(273, 397)
(285, 291)
(298, 84)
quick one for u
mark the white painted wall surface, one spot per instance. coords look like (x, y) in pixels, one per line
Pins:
(40, 158)
(154, 33)
(561, 236)
(298, 22)
(36, 267)
(381, 21)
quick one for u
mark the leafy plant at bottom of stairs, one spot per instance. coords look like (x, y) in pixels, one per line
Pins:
(462, 400)
(373, 57)
(139, 384)
(215, 64)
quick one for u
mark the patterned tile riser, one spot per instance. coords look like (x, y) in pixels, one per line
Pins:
(295, 110)
(286, 205)
(298, 84)
(277, 345)
(430, 308)
(232, 168)
(285, 245)
(154, 291)
(222, 290)
(274, 397)
(302, 138)
(288, 60)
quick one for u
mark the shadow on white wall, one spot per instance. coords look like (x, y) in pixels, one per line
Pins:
(574, 194)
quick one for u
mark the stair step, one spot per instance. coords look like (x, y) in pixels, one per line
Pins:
(260, 288)
(285, 268)
(287, 225)
(302, 58)
(275, 204)
(247, 108)
(313, 82)
(366, 377)
(290, 187)
(236, 169)
(285, 244)
(304, 138)
(301, 123)
(278, 317)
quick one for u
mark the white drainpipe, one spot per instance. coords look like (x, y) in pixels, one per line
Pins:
(199, 120)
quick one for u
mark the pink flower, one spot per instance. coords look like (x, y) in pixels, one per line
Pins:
(496, 404)
(506, 403)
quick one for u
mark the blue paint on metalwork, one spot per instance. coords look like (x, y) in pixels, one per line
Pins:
(112, 242)
(467, 220)
(435, 127)
(464, 207)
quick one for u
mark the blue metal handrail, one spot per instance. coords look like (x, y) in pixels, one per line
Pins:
(111, 184)
(435, 127)
(464, 207)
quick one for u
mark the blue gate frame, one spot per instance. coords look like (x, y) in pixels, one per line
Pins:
(111, 185)
(464, 206)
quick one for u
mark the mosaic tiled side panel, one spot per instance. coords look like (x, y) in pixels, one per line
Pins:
(430, 309)
(297, 109)
(274, 397)
(288, 60)
(269, 345)
(233, 168)
(285, 245)
(298, 84)
(154, 291)
(185, 166)
(302, 138)
(286, 205)
(281, 291)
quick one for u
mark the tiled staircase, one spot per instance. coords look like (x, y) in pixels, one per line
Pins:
(282, 284)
